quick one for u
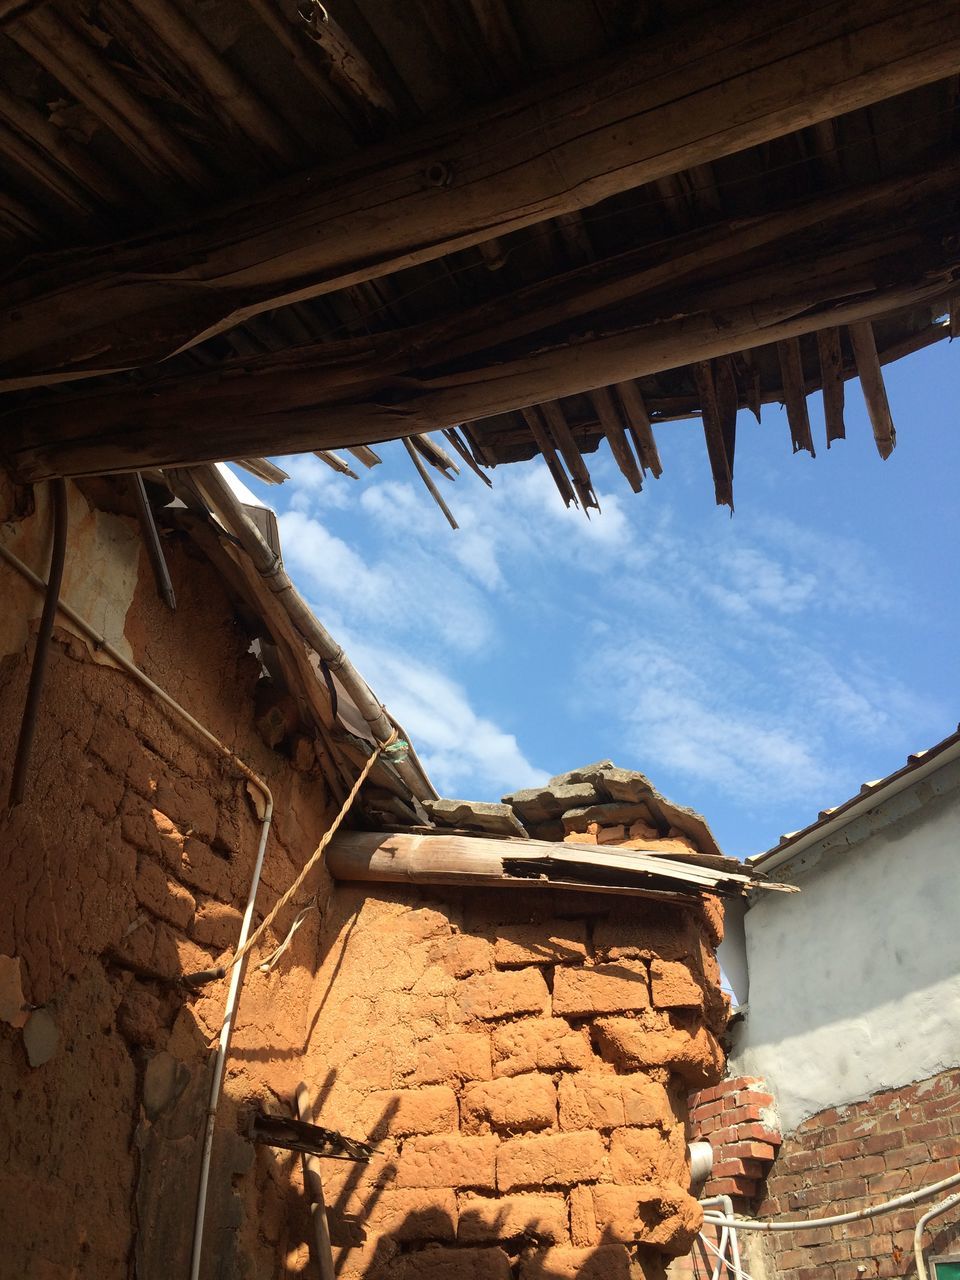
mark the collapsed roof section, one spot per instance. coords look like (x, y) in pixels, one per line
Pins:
(309, 227)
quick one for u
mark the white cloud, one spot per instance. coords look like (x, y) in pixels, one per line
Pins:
(701, 651)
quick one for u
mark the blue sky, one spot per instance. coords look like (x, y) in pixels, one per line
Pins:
(758, 668)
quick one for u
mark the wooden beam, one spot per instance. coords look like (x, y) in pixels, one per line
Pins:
(640, 429)
(719, 427)
(661, 107)
(874, 391)
(556, 420)
(541, 435)
(448, 858)
(795, 395)
(383, 387)
(58, 48)
(831, 380)
(236, 102)
(608, 414)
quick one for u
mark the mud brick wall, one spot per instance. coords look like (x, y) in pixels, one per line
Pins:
(124, 868)
(523, 1061)
(845, 1158)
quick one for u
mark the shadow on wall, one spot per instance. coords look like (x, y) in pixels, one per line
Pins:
(485, 1239)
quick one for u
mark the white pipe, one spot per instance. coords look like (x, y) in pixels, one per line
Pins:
(942, 1207)
(236, 976)
(871, 1211)
(731, 1224)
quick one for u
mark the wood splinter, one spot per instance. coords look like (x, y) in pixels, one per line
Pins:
(874, 392)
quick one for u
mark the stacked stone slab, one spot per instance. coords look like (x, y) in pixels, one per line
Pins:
(603, 804)
(523, 1059)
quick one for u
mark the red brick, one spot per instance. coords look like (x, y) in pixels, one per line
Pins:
(603, 988)
(550, 1160)
(743, 1187)
(906, 1156)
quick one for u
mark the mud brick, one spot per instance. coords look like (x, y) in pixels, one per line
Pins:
(550, 1160)
(603, 988)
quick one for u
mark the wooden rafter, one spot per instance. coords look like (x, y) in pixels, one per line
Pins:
(874, 392)
(381, 387)
(643, 115)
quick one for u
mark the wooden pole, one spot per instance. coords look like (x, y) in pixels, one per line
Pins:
(740, 76)
(831, 380)
(874, 391)
(313, 1185)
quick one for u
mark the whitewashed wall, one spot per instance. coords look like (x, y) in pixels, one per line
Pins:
(855, 981)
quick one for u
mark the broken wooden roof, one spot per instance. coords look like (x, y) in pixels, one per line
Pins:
(251, 227)
(597, 829)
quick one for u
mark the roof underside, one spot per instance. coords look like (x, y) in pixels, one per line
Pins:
(115, 117)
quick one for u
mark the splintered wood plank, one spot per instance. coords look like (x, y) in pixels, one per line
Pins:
(831, 380)
(556, 421)
(715, 434)
(438, 458)
(795, 395)
(564, 143)
(461, 446)
(612, 427)
(540, 433)
(365, 456)
(638, 419)
(954, 315)
(335, 463)
(427, 480)
(874, 390)
(491, 358)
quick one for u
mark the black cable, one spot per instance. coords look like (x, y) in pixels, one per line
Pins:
(31, 709)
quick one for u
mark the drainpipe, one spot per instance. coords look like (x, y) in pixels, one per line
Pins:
(943, 1207)
(236, 521)
(237, 973)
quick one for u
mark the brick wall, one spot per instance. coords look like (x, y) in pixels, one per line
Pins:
(847, 1157)
(122, 869)
(524, 1060)
(738, 1118)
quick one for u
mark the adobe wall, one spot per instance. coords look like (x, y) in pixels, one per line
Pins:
(524, 1060)
(124, 868)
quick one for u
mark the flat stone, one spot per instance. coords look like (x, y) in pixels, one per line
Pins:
(534, 804)
(40, 1037)
(496, 819)
(11, 992)
(591, 773)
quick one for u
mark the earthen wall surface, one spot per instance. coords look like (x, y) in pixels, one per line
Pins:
(126, 866)
(523, 1060)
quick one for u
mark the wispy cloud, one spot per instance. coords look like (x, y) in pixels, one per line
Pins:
(702, 651)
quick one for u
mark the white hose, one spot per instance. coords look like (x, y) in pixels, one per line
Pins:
(808, 1224)
(935, 1212)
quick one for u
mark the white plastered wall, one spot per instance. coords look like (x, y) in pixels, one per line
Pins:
(855, 981)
